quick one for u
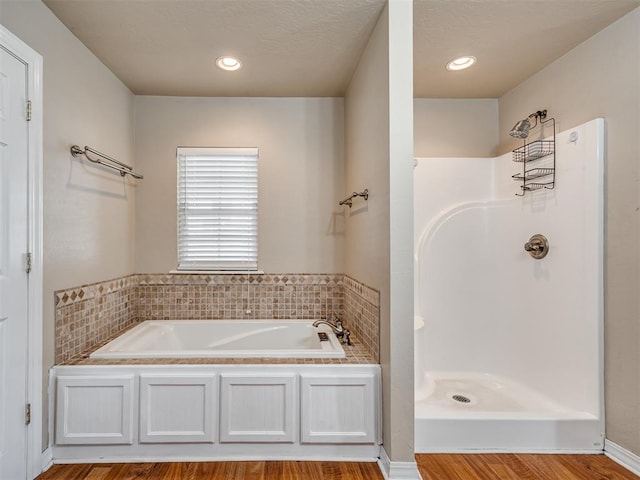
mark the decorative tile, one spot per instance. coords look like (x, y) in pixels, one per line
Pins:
(87, 315)
(362, 314)
(369, 294)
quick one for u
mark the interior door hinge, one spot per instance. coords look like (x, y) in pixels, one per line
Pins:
(27, 414)
(28, 110)
(28, 263)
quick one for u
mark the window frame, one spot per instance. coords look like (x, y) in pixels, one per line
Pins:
(249, 210)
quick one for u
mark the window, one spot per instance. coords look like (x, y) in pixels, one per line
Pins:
(217, 208)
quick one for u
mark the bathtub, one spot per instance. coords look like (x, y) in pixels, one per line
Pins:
(223, 339)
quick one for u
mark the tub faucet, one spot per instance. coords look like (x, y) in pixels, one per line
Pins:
(337, 328)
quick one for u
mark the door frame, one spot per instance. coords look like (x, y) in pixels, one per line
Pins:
(36, 458)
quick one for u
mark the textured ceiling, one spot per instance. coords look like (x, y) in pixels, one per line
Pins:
(311, 47)
(169, 47)
(512, 39)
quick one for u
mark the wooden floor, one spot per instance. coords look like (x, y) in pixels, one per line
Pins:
(216, 471)
(521, 467)
(432, 467)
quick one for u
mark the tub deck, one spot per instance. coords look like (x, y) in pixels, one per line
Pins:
(357, 353)
(234, 408)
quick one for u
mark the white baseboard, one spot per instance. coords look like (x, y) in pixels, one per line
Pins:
(244, 458)
(397, 470)
(47, 459)
(562, 451)
(624, 457)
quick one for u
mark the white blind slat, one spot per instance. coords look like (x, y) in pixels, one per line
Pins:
(217, 208)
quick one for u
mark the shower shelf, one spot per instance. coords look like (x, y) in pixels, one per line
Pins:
(533, 174)
(536, 186)
(534, 151)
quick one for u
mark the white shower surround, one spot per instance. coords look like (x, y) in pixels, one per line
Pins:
(494, 319)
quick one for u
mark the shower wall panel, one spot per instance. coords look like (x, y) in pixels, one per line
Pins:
(489, 307)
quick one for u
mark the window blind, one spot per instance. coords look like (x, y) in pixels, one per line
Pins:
(217, 208)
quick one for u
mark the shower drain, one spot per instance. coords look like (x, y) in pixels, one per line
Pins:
(461, 398)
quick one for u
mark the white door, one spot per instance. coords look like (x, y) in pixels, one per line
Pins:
(13, 276)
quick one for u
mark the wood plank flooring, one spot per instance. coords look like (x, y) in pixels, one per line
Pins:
(216, 471)
(520, 467)
(432, 467)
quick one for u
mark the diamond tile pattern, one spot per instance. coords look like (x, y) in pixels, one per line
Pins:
(88, 315)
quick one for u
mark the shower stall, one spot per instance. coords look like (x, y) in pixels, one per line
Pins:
(508, 340)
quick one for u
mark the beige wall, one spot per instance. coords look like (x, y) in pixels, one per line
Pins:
(88, 212)
(367, 166)
(301, 171)
(601, 78)
(370, 116)
(401, 231)
(446, 127)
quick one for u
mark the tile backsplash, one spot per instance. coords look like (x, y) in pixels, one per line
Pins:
(88, 315)
(297, 296)
(362, 314)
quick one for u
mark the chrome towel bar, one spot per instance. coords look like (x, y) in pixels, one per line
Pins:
(349, 200)
(105, 160)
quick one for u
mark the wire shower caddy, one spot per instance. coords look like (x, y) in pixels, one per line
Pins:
(539, 177)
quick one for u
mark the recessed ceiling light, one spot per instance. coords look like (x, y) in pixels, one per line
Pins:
(461, 63)
(228, 63)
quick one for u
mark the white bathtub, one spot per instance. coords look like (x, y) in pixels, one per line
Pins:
(223, 339)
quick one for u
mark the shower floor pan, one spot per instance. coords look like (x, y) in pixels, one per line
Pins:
(470, 412)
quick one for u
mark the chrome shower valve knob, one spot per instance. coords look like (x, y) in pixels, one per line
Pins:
(537, 246)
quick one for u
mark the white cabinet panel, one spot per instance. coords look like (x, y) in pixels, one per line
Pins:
(177, 409)
(93, 410)
(338, 409)
(258, 408)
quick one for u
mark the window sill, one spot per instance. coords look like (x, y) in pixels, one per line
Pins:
(217, 272)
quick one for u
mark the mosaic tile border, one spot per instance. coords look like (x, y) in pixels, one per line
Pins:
(275, 279)
(92, 290)
(73, 295)
(369, 294)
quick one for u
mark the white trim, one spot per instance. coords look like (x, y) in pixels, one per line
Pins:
(526, 451)
(47, 459)
(622, 456)
(216, 458)
(216, 272)
(600, 155)
(227, 151)
(397, 470)
(33, 60)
